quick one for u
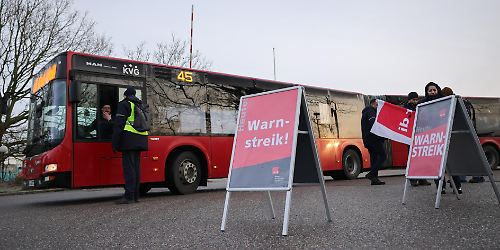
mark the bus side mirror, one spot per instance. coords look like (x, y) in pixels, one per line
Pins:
(39, 109)
(74, 91)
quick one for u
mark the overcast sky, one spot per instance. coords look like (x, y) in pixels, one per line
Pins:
(371, 46)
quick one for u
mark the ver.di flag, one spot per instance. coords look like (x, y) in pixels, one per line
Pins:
(394, 122)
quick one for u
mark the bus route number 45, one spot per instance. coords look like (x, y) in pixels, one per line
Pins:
(185, 76)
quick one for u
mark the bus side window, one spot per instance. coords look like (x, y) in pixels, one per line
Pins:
(86, 112)
(322, 122)
(108, 102)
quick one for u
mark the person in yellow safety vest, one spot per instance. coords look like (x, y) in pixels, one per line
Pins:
(130, 142)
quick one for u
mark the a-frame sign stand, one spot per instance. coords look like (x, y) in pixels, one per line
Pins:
(274, 148)
(459, 153)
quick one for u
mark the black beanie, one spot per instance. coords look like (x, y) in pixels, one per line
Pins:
(129, 92)
(412, 95)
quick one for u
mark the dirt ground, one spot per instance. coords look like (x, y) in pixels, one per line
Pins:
(9, 187)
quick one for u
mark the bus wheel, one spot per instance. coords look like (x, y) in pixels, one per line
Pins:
(144, 189)
(492, 156)
(351, 164)
(184, 174)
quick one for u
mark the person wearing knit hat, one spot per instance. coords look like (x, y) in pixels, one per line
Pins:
(411, 104)
(129, 92)
(130, 142)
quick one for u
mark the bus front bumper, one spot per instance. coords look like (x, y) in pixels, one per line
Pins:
(53, 180)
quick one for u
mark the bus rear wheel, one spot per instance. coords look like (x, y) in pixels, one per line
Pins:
(492, 156)
(184, 173)
(351, 164)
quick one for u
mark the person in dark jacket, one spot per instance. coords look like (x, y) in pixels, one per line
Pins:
(472, 115)
(412, 101)
(130, 142)
(104, 122)
(433, 92)
(373, 142)
(411, 104)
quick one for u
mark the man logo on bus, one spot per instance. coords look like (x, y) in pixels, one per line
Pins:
(93, 64)
(130, 70)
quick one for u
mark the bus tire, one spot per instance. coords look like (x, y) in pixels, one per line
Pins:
(144, 189)
(351, 164)
(184, 173)
(492, 156)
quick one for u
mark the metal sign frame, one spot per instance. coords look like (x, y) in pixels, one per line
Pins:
(444, 168)
(299, 103)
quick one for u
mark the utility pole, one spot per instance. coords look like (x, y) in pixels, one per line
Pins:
(191, 43)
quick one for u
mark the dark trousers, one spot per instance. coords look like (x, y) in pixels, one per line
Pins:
(456, 179)
(131, 172)
(377, 157)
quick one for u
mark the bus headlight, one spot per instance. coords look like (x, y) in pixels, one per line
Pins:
(51, 167)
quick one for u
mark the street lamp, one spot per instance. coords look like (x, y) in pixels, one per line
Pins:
(3, 150)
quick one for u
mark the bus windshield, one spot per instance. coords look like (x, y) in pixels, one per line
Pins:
(47, 118)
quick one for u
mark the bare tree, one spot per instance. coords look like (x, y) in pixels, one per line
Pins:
(31, 33)
(139, 53)
(174, 52)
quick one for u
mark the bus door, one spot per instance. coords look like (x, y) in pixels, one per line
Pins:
(95, 163)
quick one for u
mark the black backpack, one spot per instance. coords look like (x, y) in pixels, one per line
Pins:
(142, 117)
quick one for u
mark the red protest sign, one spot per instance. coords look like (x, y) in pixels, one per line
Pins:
(428, 146)
(264, 140)
(268, 151)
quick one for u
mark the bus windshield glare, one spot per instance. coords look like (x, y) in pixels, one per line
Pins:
(47, 122)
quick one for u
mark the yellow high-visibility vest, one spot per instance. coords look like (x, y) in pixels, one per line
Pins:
(130, 120)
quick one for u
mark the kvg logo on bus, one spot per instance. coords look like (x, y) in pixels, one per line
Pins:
(131, 70)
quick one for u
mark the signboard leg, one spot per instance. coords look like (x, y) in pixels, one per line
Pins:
(404, 192)
(455, 191)
(323, 191)
(287, 212)
(226, 208)
(273, 216)
(438, 195)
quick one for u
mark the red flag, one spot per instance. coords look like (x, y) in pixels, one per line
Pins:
(394, 122)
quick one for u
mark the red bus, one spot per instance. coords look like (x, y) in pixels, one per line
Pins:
(194, 118)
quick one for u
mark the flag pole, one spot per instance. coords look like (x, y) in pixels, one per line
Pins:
(274, 64)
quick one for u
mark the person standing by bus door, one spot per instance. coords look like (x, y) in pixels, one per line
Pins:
(373, 142)
(130, 142)
(411, 104)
